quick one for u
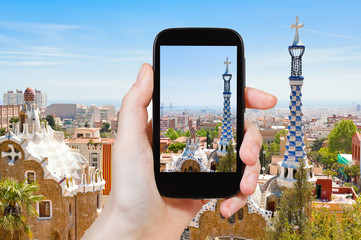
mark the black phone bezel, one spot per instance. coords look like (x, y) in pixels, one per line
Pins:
(198, 185)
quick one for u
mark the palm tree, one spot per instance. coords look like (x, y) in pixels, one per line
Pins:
(15, 197)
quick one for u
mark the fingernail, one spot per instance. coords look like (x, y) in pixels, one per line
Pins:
(251, 179)
(255, 151)
(141, 72)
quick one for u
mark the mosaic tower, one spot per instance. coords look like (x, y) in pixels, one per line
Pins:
(295, 146)
(226, 126)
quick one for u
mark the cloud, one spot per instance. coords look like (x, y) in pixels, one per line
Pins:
(33, 63)
(36, 27)
(332, 34)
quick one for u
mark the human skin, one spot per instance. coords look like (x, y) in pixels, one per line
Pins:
(135, 209)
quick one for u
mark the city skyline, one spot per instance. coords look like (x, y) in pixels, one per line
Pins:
(102, 55)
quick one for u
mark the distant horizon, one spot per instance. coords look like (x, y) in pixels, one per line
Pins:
(280, 104)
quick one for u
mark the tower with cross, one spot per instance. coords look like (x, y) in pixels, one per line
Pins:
(226, 126)
(295, 146)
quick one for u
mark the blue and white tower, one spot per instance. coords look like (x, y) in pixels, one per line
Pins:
(226, 126)
(295, 146)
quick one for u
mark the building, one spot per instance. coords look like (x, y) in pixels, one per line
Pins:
(193, 158)
(63, 110)
(6, 113)
(246, 223)
(71, 189)
(356, 153)
(97, 151)
(17, 98)
(331, 196)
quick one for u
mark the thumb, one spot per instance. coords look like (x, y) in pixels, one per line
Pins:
(133, 114)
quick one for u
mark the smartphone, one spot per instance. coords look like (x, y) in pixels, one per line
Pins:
(198, 112)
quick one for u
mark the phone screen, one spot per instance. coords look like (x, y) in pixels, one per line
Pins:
(198, 110)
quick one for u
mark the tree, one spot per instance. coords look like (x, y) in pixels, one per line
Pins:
(228, 163)
(51, 121)
(327, 157)
(317, 144)
(292, 218)
(340, 138)
(105, 127)
(16, 198)
(13, 121)
(172, 134)
(2, 131)
(175, 147)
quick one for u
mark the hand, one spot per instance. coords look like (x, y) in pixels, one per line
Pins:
(135, 209)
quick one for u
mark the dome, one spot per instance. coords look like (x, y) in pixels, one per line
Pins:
(29, 95)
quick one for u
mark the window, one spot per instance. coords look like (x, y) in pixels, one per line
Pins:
(44, 209)
(69, 209)
(94, 160)
(232, 219)
(240, 214)
(87, 135)
(30, 176)
(99, 201)
(79, 135)
(190, 169)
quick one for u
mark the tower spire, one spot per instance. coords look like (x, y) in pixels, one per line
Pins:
(295, 146)
(296, 40)
(226, 124)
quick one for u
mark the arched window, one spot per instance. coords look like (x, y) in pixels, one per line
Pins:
(44, 209)
(69, 209)
(30, 176)
(190, 169)
(294, 173)
(286, 173)
(232, 218)
(240, 214)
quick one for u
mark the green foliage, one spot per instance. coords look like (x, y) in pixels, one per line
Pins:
(51, 121)
(352, 171)
(175, 147)
(15, 199)
(317, 144)
(172, 134)
(327, 157)
(325, 225)
(228, 163)
(13, 121)
(315, 156)
(105, 128)
(340, 138)
(292, 217)
(277, 137)
(2, 131)
(107, 135)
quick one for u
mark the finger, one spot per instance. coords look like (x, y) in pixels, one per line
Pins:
(258, 99)
(231, 205)
(251, 144)
(250, 178)
(133, 114)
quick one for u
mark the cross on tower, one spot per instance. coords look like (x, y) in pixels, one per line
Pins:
(297, 26)
(11, 155)
(227, 63)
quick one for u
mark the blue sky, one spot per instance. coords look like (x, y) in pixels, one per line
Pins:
(192, 75)
(90, 51)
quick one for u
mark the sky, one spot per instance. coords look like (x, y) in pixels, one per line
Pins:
(91, 51)
(191, 76)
